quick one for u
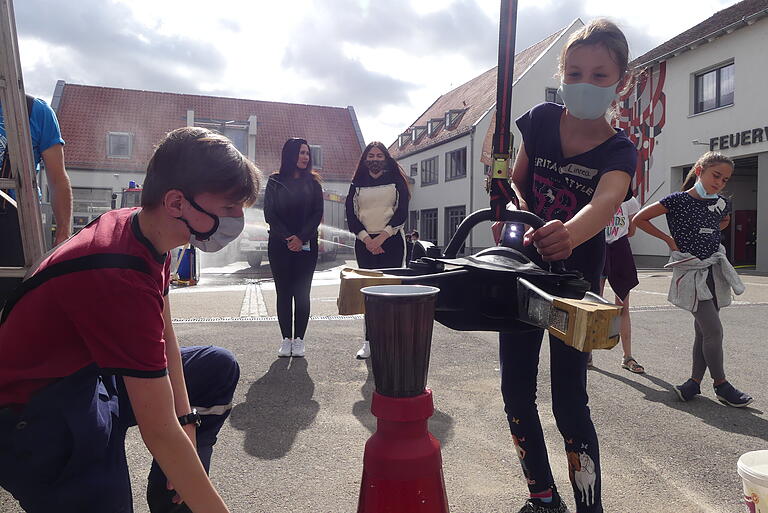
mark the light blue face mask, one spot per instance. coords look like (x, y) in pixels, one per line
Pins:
(587, 101)
(701, 191)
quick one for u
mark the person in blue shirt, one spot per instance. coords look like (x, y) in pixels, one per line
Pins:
(48, 147)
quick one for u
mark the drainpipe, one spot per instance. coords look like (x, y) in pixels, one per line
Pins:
(471, 181)
(252, 130)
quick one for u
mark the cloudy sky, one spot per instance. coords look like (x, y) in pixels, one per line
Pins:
(390, 59)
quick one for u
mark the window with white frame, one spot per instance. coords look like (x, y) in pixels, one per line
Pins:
(552, 95)
(456, 164)
(119, 145)
(414, 169)
(453, 218)
(239, 137)
(714, 88)
(317, 156)
(428, 225)
(429, 171)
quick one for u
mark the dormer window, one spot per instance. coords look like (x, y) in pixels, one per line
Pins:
(417, 132)
(452, 117)
(403, 139)
(433, 126)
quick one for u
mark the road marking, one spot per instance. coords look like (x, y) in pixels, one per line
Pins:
(359, 317)
(193, 320)
(253, 302)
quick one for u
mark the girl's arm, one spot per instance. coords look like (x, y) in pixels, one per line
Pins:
(643, 221)
(354, 224)
(556, 240)
(401, 212)
(276, 225)
(315, 214)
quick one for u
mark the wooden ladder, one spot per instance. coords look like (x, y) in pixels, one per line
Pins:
(19, 145)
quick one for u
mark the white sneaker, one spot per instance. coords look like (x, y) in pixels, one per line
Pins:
(285, 348)
(364, 351)
(297, 350)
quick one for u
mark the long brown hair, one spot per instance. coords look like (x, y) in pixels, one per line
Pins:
(391, 164)
(707, 160)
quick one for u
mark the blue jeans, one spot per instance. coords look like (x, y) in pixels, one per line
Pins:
(519, 357)
(65, 451)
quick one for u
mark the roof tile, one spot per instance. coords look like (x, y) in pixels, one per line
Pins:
(711, 25)
(87, 113)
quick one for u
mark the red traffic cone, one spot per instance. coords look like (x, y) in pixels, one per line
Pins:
(402, 466)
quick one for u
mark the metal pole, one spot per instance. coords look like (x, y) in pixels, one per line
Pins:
(500, 189)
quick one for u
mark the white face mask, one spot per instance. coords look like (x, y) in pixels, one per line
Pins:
(228, 230)
(701, 191)
(224, 231)
(587, 101)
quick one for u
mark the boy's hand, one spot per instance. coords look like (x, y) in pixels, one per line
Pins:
(552, 241)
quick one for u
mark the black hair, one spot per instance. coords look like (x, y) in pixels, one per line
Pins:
(390, 164)
(290, 157)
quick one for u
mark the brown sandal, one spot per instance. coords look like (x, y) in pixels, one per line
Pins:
(632, 366)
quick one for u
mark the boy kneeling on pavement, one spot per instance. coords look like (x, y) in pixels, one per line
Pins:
(87, 348)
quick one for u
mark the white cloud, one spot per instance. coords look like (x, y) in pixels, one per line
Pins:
(390, 60)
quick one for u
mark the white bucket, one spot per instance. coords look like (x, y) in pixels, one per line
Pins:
(753, 469)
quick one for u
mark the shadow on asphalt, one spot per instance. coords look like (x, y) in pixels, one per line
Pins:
(440, 424)
(733, 420)
(277, 406)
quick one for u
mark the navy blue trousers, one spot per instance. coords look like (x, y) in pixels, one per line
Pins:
(519, 356)
(65, 451)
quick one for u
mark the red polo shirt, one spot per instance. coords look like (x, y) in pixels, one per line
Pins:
(108, 316)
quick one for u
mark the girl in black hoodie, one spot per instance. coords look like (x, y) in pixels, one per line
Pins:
(293, 208)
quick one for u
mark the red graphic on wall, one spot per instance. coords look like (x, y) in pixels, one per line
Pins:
(642, 115)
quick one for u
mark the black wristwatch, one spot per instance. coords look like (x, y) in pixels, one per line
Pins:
(190, 418)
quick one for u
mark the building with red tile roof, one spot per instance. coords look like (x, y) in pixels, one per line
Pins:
(110, 134)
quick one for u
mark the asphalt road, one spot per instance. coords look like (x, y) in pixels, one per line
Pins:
(294, 441)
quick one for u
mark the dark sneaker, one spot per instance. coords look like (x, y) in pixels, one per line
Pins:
(732, 396)
(688, 390)
(538, 506)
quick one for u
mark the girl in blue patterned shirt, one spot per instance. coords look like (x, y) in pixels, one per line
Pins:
(696, 216)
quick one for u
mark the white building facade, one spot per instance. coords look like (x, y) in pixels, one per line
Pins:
(705, 89)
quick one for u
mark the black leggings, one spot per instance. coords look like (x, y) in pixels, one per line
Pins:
(292, 272)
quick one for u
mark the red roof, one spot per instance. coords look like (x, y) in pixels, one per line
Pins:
(474, 98)
(87, 113)
(732, 17)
